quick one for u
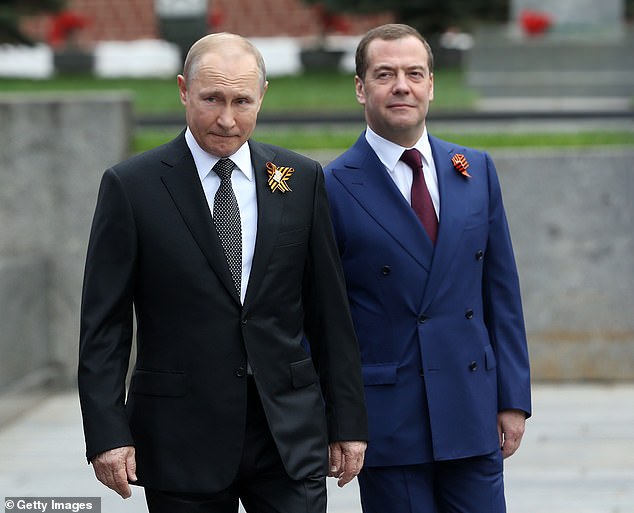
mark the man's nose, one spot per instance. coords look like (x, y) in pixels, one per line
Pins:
(226, 119)
(401, 84)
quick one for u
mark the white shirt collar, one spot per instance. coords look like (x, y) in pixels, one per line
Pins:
(390, 153)
(205, 161)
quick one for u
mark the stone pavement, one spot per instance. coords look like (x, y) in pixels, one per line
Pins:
(577, 455)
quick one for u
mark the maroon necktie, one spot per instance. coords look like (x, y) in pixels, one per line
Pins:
(421, 200)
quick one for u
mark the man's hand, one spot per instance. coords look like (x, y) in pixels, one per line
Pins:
(115, 467)
(511, 425)
(346, 460)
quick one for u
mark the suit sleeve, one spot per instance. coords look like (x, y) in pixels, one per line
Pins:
(503, 306)
(329, 328)
(106, 319)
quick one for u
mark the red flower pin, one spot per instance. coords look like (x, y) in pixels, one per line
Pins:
(460, 163)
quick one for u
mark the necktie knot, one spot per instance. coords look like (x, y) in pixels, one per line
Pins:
(412, 158)
(223, 168)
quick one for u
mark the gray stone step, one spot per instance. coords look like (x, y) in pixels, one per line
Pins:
(503, 64)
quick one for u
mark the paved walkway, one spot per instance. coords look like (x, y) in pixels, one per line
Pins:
(577, 455)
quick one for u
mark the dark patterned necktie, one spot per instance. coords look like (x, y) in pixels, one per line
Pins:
(227, 220)
(421, 200)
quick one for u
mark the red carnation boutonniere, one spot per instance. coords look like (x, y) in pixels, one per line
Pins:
(460, 163)
(278, 176)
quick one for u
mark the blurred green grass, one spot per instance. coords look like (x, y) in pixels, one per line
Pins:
(318, 92)
(316, 138)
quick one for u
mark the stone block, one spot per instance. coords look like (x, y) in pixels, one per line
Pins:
(570, 214)
(281, 55)
(24, 337)
(55, 148)
(21, 61)
(503, 65)
(141, 58)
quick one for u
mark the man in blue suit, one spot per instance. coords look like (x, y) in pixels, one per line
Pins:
(434, 293)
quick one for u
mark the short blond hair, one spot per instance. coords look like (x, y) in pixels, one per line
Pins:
(211, 43)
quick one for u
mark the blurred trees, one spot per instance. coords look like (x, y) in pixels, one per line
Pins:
(12, 11)
(430, 17)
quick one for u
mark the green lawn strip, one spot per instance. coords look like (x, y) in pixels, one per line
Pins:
(301, 93)
(340, 139)
(540, 139)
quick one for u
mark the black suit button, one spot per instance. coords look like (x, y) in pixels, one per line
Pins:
(473, 366)
(244, 322)
(241, 372)
(469, 314)
(422, 319)
(385, 270)
(479, 255)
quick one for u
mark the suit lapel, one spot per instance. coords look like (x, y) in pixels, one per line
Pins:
(270, 207)
(366, 179)
(183, 183)
(453, 204)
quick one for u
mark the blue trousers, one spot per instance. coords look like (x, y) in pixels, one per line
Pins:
(470, 485)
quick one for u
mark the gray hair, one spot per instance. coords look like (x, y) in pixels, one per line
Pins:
(212, 42)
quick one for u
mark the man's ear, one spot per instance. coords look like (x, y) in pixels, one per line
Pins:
(359, 90)
(182, 88)
(262, 93)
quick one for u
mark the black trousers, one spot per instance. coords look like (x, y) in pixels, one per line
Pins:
(262, 484)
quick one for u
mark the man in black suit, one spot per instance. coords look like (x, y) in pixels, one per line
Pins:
(229, 265)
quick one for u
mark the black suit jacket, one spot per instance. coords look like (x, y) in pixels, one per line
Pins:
(153, 248)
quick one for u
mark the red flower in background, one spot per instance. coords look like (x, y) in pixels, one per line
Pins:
(216, 17)
(64, 25)
(535, 23)
(331, 22)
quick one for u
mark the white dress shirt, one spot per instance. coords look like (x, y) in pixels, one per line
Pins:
(243, 183)
(389, 154)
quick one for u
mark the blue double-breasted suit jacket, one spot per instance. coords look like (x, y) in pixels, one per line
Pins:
(440, 328)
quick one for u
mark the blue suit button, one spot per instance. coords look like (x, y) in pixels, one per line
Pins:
(422, 319)
(469, 314)
(385, 270)
(479, 255)
(473, 366)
